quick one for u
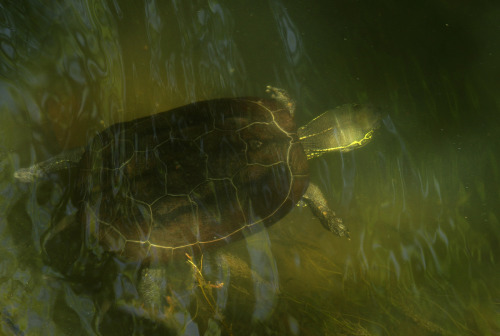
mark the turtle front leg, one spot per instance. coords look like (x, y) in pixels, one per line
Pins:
(282, 96)
(316, 201)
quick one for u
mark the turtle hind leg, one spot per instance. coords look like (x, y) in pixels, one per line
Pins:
(66, 161)
(282, 96)
(316, 201)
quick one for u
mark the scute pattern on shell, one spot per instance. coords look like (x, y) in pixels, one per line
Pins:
(199, 175)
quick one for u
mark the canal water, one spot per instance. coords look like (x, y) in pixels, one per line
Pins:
(420, 201)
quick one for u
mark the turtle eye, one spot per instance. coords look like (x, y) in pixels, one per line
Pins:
(254, 144)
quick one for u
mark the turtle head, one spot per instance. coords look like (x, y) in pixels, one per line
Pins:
(344, 128)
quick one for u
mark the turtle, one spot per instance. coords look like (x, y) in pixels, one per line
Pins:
(195, 177)
(204, 174)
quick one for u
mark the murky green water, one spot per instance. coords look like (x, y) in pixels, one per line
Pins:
(421, 201)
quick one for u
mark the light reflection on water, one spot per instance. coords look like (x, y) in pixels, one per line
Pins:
(420, 201)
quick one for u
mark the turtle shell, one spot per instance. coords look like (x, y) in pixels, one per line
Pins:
(196, 176)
